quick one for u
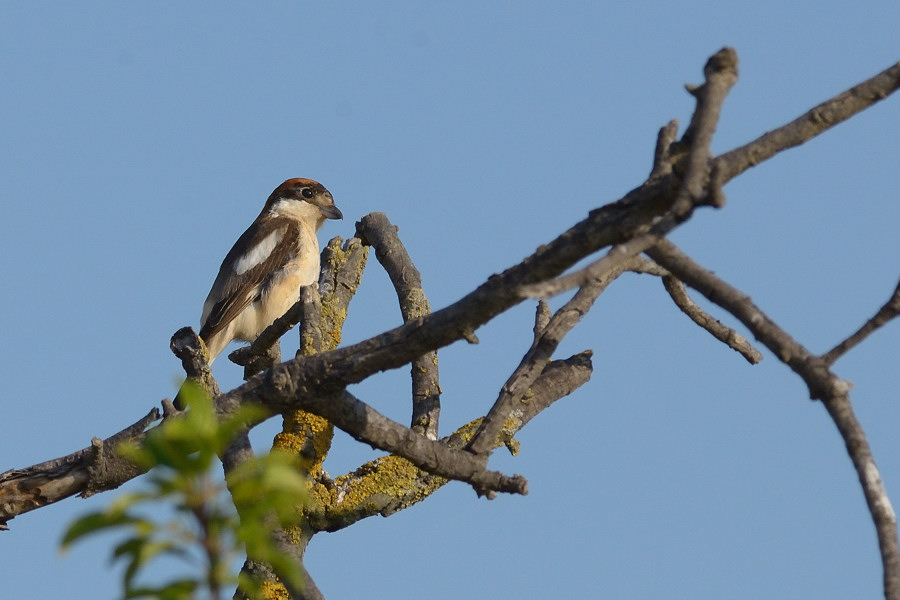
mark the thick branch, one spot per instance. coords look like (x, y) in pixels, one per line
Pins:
(368, 425)
(611, 224)
(376, 230)
(88, 471)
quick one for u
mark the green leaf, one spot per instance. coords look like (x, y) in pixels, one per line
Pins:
(180, 589)
(268, 493)
(95, 523)
(139, 553)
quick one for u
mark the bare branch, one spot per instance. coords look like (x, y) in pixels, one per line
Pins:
(86, 472)
(662, 156)
(614, 223)
(823, 385)
(810, 124)
(376, 230)
(726, 335)
(366, 424)
(399, 484)
(684, 302)
(721, 75)
(726, 166)
(532, 364)
(786, 348)
(887, 312)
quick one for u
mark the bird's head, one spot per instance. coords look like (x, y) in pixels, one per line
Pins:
(303, 199)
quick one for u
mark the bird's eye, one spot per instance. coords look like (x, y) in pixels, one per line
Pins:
(306, 192)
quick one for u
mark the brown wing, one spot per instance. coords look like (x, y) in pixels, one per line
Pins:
(260, 251)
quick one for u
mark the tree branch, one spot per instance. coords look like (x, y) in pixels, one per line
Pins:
(823, 385)
(546, 341)
(88, 471)
(813, 122)
(613, 223)
(726, 335)
(721, 74)
(391, 483)
(887, 312)
(377, 231)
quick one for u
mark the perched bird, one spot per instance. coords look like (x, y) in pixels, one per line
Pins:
(261, 276)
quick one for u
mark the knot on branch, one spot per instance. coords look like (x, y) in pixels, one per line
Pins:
(106, 469)
(190, 349)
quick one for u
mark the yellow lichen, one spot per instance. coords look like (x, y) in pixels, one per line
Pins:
(309, 437)
(390, 476)
(274, 590)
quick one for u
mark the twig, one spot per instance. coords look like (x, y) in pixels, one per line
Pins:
(684, 302)
(887, 312)
(813, 122)
(726, 335)
(662, 156)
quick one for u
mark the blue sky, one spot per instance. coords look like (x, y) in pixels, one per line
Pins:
(140, 139)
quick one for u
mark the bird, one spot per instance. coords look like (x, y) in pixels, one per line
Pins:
(261, 276)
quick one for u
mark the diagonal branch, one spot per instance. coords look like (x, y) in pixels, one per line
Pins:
(813, 122)
(389, 484)
(611, 224)
(86, 472)
(889, 311)
(546, 341)
(726, 335)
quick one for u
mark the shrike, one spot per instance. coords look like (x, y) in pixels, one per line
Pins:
(261, 276)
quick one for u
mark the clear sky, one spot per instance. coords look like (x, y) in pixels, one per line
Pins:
(140, 139)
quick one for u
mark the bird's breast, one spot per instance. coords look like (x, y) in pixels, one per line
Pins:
(282, 288)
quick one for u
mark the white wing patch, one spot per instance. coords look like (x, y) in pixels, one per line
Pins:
(257, 254)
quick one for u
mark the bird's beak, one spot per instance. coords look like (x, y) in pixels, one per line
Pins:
(331, 212)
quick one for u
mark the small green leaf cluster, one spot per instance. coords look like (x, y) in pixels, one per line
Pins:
(266, 495)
